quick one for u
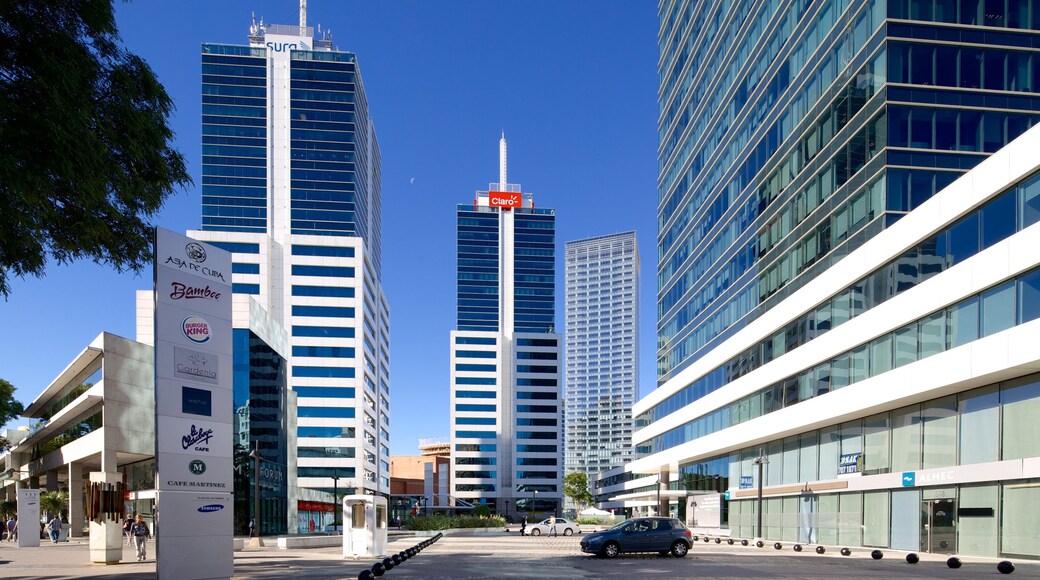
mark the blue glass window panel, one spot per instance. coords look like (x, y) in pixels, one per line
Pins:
(476, 408)
(325, 392)
(536, 395)
(323, 271)
(325, 291)
(537, 435)
(323, 311)
(473, 367)
(326, 412)
(475, 434)
(331, 251)
(341, 472)
(962, 323)
(1029, 297)
(325, 432)
(998, 309)
(537, 448)
(324, 331)
(245, 268)
(475, 394)
(324, 351)
(326, 452)
(964, 239)
(237, 247)
(324, 372)
(475, 421)
(239, 288)
(475, 380)
(475, 354)
(476, 447)
(998, 219)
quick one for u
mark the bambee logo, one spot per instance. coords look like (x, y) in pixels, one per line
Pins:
(196, 329)
(503, 199)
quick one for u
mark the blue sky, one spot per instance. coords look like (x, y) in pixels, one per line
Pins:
(572, 83)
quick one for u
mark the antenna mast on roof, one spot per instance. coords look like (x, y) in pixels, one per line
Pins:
(502, 162)
(303, 13)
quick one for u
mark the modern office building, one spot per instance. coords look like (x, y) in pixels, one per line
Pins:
(506, 436)
(291, 186)
(814, 182)
(602, 351)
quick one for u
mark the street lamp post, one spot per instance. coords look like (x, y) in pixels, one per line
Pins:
(760, 461)
(657, 508)
(255, 454)
(335, 503)
(534, 500)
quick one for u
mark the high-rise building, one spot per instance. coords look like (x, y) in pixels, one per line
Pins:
(602, 351)
(813, 158)
(506, 436)
(291, 186)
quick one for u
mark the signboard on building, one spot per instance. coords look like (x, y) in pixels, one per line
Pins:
(505, 199)
(704, 511)
(193, 408)
(850, 464)
(746, 482)
(28, 513)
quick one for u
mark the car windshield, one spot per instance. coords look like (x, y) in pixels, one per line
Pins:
(620, 525)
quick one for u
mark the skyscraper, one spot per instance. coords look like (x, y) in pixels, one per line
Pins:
(291, 186)
(506, 444)
(602, 351)
(812, 185)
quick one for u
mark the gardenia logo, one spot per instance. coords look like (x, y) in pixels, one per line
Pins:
(196, 329)
(211, 508)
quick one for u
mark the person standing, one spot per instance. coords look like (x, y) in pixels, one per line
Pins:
(128, 524)
(523, 526)
(12, 529)
(141, 534)
(552, 525)
(54, 527)
(252, 526)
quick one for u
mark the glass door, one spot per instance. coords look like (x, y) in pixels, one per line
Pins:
(939, 518)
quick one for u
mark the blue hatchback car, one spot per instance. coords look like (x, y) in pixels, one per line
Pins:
(661, 535)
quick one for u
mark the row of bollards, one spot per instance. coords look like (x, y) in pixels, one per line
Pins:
(391, 562)
(1004, 566)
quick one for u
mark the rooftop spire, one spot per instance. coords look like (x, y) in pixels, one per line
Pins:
(303, 13)
(502, 162)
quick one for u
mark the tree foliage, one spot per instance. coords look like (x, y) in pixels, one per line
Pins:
(85, 149)
(55, 503)
(10, 408)
(576, 487)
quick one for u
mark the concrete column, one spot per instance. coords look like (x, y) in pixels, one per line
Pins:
(52, 480)
(662, 505)
(77, 511)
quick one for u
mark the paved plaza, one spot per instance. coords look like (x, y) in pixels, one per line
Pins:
(514, 557)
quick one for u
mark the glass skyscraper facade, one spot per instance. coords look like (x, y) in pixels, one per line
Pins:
(506, 367)
(862, 171)
(602, 351)
(291, 186)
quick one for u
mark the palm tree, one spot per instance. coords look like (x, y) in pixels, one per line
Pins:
(54, 502)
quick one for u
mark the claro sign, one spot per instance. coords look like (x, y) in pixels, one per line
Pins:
(504, 199)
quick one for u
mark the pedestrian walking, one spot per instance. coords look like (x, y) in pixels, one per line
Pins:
(141, 534)
(252, 526)
(128, 524)
(552, 525)
(12, 529)
(54, 527)
(523, 526)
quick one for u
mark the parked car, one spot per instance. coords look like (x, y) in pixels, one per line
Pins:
(661, 535)
(563, 528)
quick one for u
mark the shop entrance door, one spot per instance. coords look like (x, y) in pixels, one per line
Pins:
(939, 532)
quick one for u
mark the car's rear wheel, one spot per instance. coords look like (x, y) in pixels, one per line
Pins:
(568, 532)
(536, 532)
(679, 549)
(611, 550)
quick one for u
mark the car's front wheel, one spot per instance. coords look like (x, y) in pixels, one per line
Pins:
(568, 532)
(679, 549)
(536, 532)
(611, 550)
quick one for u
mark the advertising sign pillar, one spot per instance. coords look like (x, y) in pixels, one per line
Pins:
(193, 409)
(28, 518)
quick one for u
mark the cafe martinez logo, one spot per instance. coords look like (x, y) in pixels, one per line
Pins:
(195, 365)
(196, 258)
(197, 439)
(196, 329)
(197, 467)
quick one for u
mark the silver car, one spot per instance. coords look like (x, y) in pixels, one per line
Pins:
(563, 528)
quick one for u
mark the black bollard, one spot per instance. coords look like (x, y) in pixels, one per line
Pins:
(778, 546)
(365, 575)
(743, 542)
(846, 552)
(820, 549)
(706, 539)
(912, 558)
(797, 547)
(877, 554)
(378, 569)
(696, 538)
(388, 564)
(1005, 567)
(954, 562)
(718, 540)
(730, 541)
(404, 555)
(398, 560)
(759, 544)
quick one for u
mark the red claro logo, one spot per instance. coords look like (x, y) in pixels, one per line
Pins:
(503, 199)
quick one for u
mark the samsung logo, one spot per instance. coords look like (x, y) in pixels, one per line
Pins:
(211, 508)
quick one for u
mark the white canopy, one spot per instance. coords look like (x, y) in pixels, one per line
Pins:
(592, 511)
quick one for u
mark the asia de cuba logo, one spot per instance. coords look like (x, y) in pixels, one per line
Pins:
(196, 329)
(195, 252)
(196, 257)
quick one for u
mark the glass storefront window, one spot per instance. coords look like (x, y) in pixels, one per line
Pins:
(979, 430)
(875, 447)
(940, 433)
(1020, 403)
(829, 446)
(906, 439)
(875, 519)
(1021, 524)
(977, 521)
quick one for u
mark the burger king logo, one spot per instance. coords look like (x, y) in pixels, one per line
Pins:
(196, 329)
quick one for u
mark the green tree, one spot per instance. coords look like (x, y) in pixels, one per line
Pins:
(9, 407)
(85, 149)
(55, 503)
(576, 487)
